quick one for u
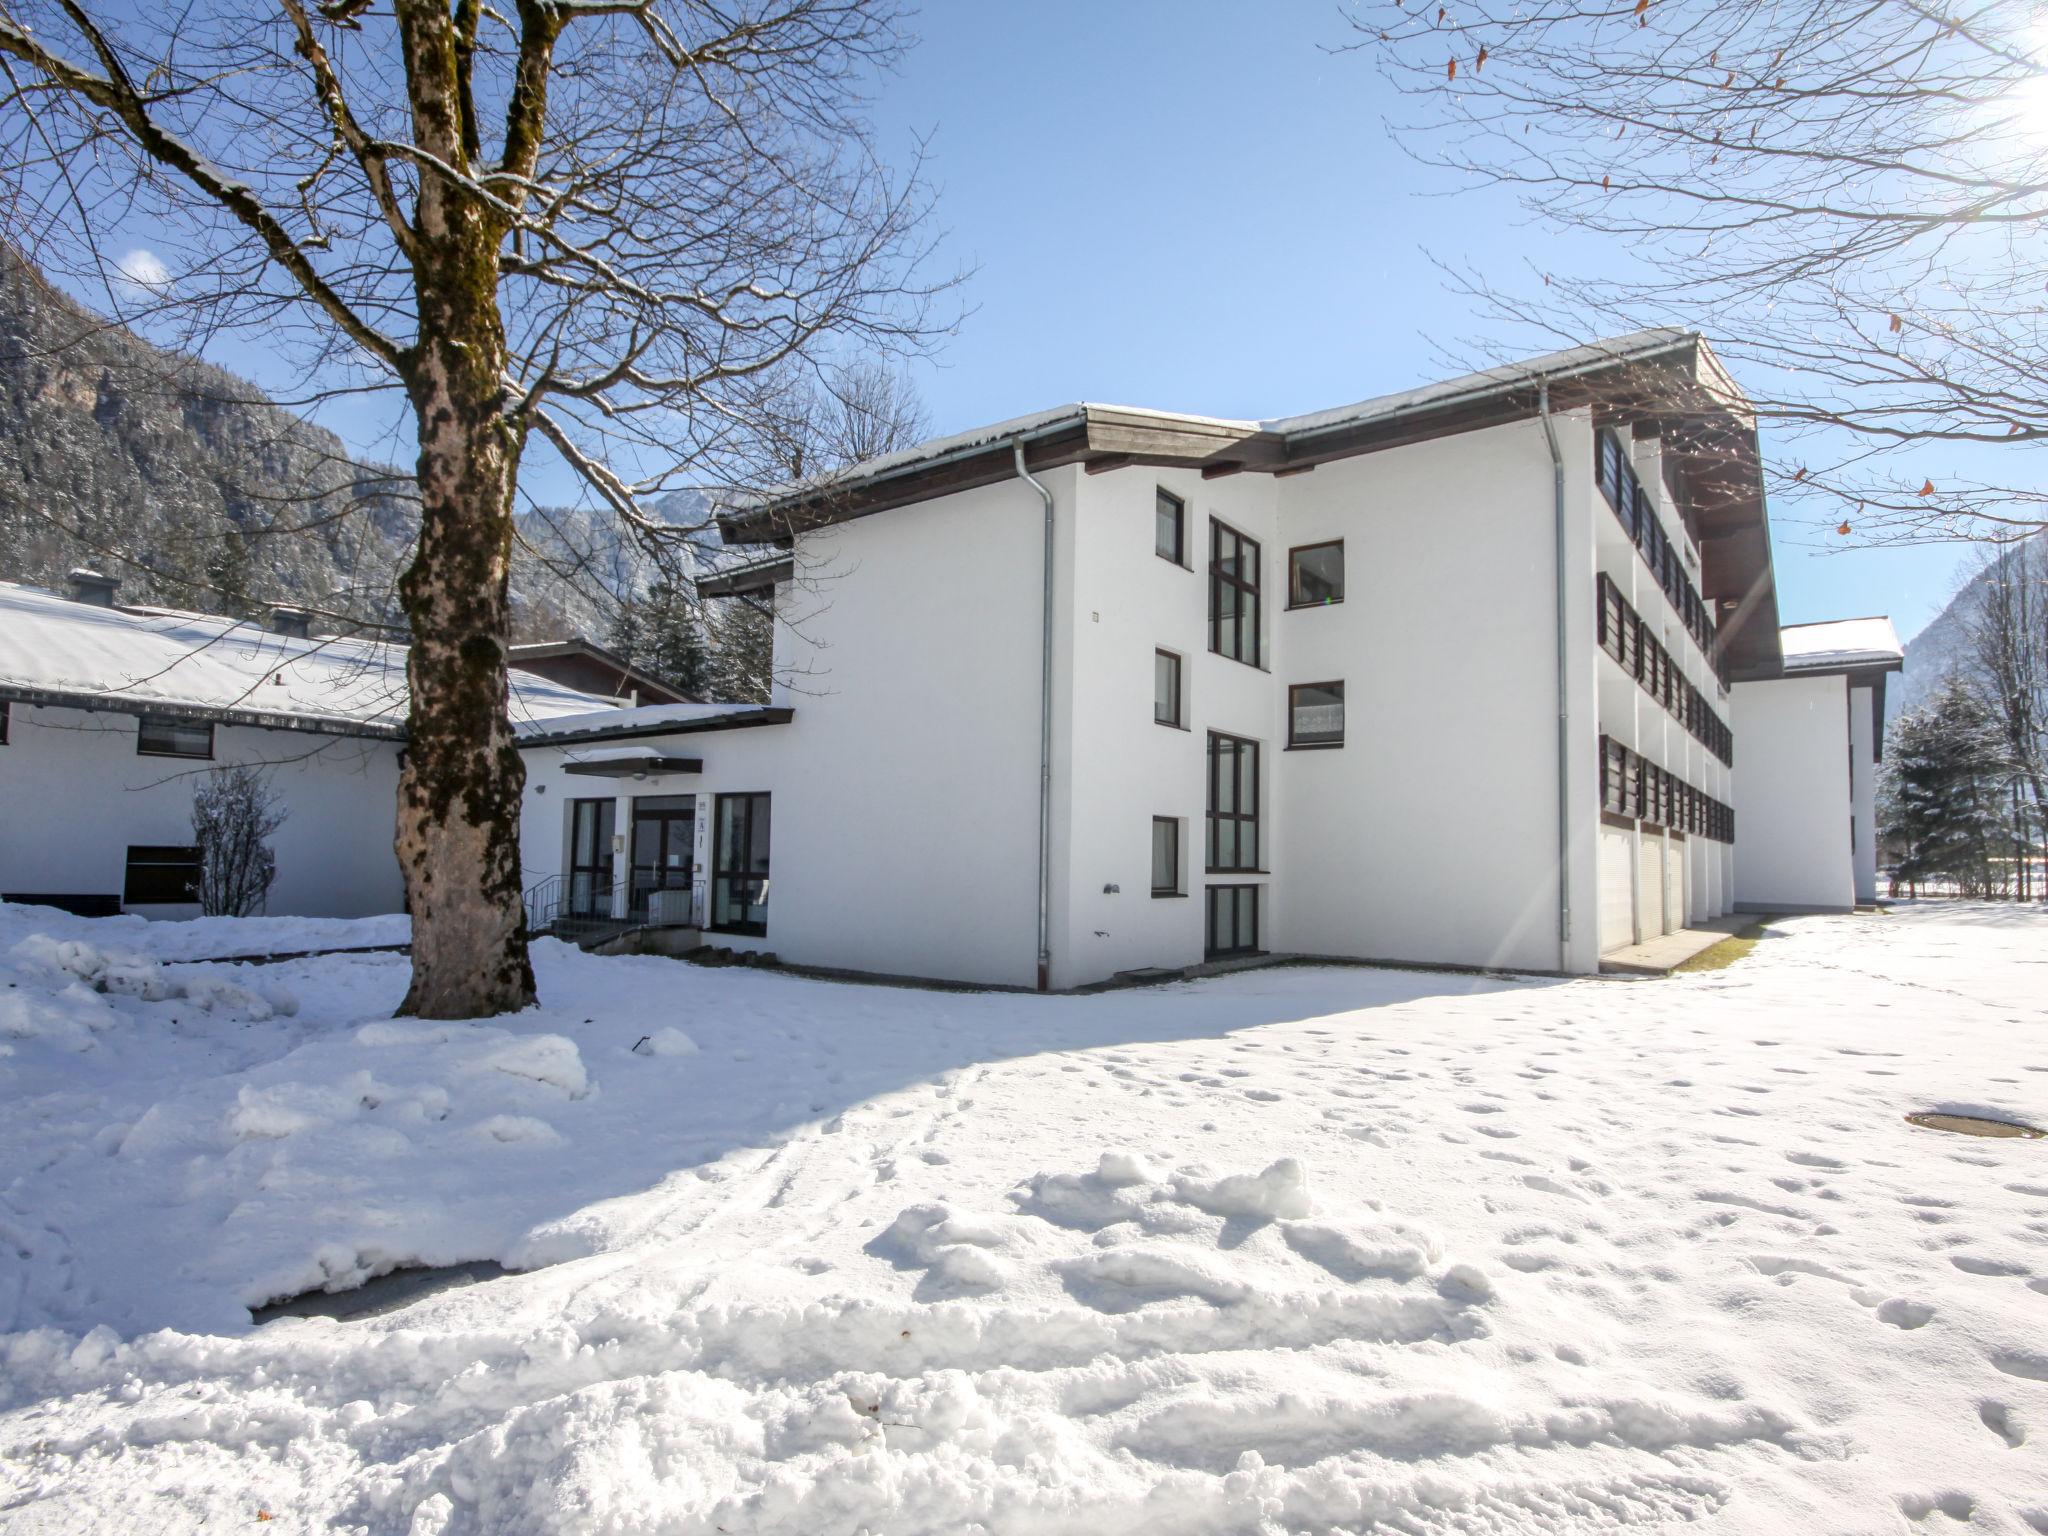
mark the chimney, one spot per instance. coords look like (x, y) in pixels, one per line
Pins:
(293, 622)
(92, 587)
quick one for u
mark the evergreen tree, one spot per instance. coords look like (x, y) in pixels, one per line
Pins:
(743, 669)
(663, 632)
(1945, 809)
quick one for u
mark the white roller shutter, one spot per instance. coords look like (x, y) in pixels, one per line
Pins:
(1617, 888)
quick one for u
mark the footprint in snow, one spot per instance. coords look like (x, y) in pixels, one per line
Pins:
(2000, 1419)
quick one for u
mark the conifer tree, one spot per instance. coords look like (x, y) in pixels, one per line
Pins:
(1945, 809)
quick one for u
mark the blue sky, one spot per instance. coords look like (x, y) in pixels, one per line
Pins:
(1193, 205)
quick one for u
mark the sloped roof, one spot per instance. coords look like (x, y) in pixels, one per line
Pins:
(1841, 645)
(60, 651)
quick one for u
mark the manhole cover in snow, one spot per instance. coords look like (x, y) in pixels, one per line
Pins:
(1974, 1125)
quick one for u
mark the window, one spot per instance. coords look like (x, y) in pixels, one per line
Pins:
(1315, 715)
(1166, 688)
(174, 738)
(739, 864)
(1233, 803)
(590, 857)
(1233, 595)
(1315, 575)
(160, 876)
(1233, 927)
(1165, 856)
(1170, 531)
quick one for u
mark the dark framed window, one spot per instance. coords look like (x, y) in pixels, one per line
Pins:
(160, 875)
(1315, 715)
(159, 737)
(1233, 594)
(1233, 920)
(1166, 696)
(1315, 575)
(1170, 527)
(591, 861)
(1165, 856)
(1233, 842)
(739, 864)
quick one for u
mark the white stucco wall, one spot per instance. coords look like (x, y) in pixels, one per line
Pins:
(1432, 835)
(1792, 795)
(905, 790)
(1863, 788)
(77, 795)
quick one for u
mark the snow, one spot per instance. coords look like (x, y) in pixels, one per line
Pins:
(198, 661)
(639, 720)
(1300, 1249)
(1840, 643)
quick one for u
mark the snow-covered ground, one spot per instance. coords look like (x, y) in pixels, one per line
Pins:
(1291, 1250)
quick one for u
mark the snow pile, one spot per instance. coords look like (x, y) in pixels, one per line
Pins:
(1300, 1250)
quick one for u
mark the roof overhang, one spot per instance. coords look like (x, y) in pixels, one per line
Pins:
(629, 729)
(164, 709)
(755, 579)
(1663, 383)
(633, 765)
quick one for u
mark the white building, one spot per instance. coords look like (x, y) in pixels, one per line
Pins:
(1806, 799)
(1442, 677)
(110, 717)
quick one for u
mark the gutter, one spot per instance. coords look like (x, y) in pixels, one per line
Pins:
(1564, 803)
(1044, 731)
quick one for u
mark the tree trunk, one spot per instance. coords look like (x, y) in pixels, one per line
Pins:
(459, 793)
(460, 790)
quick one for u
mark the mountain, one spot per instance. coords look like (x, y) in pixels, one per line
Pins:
(1944, 644)
(199, 492)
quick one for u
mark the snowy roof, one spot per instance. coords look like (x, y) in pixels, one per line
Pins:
(646, 720)
(202, 663)
(1841, 643)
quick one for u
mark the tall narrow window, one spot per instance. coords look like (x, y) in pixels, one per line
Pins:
(1166, 688)
(590, 858)
(1165, 856)
(1170, 528)
(739, 879)
(1315, 575)
(1233, 803)
(1233, 594)
(157, 737)
(1315, 715)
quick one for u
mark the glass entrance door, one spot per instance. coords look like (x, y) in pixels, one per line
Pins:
(664, 846)
(590, 858)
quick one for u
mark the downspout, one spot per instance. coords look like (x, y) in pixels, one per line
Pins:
(1045, 733)
(1564, 746)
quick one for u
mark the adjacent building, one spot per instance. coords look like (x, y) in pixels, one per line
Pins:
(111, 716)
(1454, 676)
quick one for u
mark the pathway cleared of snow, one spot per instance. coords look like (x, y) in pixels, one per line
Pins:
(1290, 1250)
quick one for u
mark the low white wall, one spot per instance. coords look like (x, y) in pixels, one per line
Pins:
(78, 795)
(1792, 795)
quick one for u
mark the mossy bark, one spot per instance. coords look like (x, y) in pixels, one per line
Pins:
(461, 787)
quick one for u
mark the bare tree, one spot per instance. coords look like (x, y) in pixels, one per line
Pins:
(605, 226)
(2007, 662)
(234, 814)
(826, 424)
(1851, 199)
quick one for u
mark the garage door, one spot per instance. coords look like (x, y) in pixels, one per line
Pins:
(1674, 885)
(1617, 888)
(1650, 884)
